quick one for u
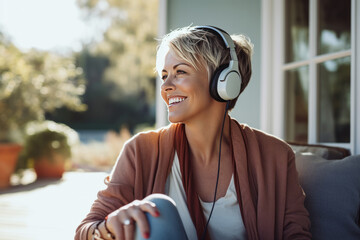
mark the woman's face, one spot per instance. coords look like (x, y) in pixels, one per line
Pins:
(185, 90)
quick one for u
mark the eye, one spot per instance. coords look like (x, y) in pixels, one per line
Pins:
(180, 72)
(163, 77)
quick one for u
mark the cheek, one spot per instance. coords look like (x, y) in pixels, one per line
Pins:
(194, 84)
(201, 87)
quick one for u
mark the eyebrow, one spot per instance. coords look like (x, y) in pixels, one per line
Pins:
(176, 65)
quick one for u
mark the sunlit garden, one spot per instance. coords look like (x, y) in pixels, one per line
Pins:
(49, 98)
(66, 111)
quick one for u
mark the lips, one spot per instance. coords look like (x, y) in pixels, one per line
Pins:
(175, 100)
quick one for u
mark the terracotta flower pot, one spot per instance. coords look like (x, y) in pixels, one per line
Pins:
(8, 158)
(50, 168)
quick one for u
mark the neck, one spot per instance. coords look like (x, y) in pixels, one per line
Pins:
(204, 137)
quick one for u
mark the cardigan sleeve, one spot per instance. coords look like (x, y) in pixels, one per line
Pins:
(118, 192)
(140, 170)
(296, 219)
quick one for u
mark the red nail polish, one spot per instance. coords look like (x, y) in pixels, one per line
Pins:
(146, 235)
(157, 213)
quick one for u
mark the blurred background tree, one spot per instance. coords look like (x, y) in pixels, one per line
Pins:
(106, 83)
(32, 84)
(119, 70)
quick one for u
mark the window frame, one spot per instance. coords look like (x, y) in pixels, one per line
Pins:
(272, 109)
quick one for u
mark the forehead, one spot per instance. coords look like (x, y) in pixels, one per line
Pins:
(167, 58)
(171, 59)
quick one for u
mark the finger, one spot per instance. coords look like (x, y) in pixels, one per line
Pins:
(117, 231)
(129, 230)
(150, 207)
(127, 223)
(115, 225)
(139, 216)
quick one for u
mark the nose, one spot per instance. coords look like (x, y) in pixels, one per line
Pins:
(167, 85)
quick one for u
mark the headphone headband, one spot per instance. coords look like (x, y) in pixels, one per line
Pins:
(229, 43)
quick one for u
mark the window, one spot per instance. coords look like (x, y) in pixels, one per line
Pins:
(317, 59)
(309, 78)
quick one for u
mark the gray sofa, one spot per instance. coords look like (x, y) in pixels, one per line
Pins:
(330, 178)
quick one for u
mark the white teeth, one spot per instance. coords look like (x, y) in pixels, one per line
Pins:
(176, 100)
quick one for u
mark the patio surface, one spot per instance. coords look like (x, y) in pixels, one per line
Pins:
(48, 209)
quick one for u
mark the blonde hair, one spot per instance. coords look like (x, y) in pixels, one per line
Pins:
(201, 47)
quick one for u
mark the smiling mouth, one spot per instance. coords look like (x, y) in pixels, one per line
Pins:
(176, 100)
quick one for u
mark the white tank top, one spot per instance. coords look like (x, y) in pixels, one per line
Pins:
(226, 221)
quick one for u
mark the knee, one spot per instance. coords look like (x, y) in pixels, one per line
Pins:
(166, 206)
(160, 199)
(168, 225)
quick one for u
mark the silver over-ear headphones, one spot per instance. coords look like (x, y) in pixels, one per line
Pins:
(225, 84)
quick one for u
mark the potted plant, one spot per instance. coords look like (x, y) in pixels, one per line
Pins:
(31, 84)
(47, 148)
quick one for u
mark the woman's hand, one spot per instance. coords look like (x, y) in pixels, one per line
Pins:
(121, 222)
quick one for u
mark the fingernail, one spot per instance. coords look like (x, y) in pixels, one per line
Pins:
(146, 235)
(157, 213)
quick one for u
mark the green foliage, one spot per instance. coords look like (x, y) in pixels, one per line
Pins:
(119, 70)
(44, 139)
(32, 84)
(130, 45)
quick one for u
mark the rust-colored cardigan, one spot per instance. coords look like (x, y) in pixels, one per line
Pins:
(271, 197)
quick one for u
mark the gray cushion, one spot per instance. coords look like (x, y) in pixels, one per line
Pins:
(323, 151)
(332, 190)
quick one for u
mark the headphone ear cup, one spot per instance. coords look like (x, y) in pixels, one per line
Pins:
(214, 83)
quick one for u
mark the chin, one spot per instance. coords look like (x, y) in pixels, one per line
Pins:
(174, 119)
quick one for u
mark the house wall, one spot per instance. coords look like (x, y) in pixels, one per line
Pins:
(234, 16)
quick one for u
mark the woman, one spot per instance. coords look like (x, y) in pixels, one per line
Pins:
(203, 157)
